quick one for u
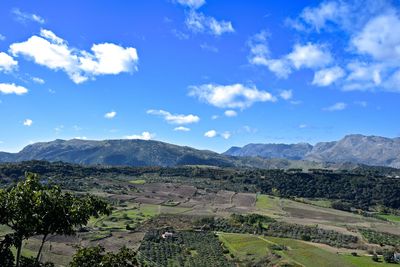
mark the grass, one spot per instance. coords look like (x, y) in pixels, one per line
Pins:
(390, 217)
(324, 203)
(266, 202)
(245, 246)
(309, 255)
(131, 215)
(138, 181)
(365, 261)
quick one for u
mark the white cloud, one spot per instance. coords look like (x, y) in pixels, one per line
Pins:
(53, 52)
(226, 135)
(260, 55)
(317, 17)
(210, 134)
(336, 107)
(191, 3)
(309, 56)
(11, 88)
(198, 22)
(181, 129)
(364, 76)
(348, 15)
(326, 77)
(7, 63)
(143, 136)
(2, 37)
(230, 96)
(27, 122)
(174, 118)
(110, 115)
(59, 128)
(214, 117)
(81, 137)
(230, 113)
(249, 129)
(38, 80)
(24, 17)
(302, 56)
(208, 47)
(303, 126)
(286, 94)
(380, 38)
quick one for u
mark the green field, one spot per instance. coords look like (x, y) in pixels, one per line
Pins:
(267, 202)
(132, 215)
(246, 246)
(390, 217)
(366, 261)
(138, 181)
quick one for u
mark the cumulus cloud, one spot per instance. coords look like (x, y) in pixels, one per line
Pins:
(53, 52)
(200, 23)
(230, 113)
(38, 80)
(213, 133)
(226, 135)
(11, 88)
(2, 37)
(302, 56)
(326, 77)
(7, 63)
(24, 17)
(210, 133)
(286, 94)
(143, 136)
(174, 118)
(349, 15)
(230, 96)
(380, 38)
(181, 129)
(191, 3)
(309, 56)
(28, 122)
(373, 31)
(336, 107)
(110, 115)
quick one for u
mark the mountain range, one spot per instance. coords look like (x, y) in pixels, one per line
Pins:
(353, 149)
(356, 148)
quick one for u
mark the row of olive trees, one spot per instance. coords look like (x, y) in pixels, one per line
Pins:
(32, 208)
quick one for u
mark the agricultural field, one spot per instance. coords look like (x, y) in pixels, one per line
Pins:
(296, 231)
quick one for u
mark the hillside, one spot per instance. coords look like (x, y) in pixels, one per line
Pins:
(357, 149)
(140, 153)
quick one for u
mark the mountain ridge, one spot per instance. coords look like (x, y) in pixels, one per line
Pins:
(354, 149)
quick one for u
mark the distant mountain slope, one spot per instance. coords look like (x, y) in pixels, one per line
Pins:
(117, 152)
(350, 151)
(284, 151)
(141, 153)
(369, 150)
(356, 149)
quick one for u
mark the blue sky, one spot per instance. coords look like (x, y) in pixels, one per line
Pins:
(203, 73)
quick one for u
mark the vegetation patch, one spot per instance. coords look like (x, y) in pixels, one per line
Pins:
(166, 247)
(140, 181)
(380, 238)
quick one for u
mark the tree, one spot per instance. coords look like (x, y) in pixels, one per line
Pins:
(32, 208)
(95, 257)
(388, 256)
